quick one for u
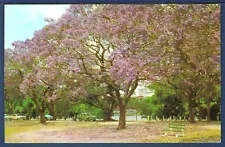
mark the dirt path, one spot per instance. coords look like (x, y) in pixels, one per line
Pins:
(106, 133)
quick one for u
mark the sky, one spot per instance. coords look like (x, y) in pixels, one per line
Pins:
(21, 21)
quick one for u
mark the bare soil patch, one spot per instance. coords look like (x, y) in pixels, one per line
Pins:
(106, 133)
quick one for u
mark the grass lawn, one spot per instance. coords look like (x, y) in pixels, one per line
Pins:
(201, 132)
(19, 126)
(140, 132)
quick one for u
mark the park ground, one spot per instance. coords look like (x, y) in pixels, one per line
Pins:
(105, 132)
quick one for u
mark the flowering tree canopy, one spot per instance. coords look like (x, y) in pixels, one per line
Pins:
(119, 45)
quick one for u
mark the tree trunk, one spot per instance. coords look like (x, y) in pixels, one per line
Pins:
(122, 118)
(41, 109)
(52, 110)
(42, 117)
(191, 111)
(75, 117)
(107, 115)
(208, 111)
(200, 113)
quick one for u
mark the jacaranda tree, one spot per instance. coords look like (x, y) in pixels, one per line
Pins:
(119, 46)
